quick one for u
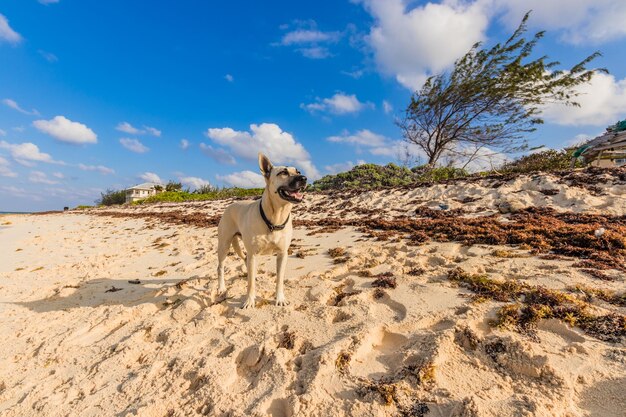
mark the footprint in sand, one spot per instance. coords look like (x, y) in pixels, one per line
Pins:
(380, 353)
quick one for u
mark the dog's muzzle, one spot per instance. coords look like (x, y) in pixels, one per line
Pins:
(294, 191)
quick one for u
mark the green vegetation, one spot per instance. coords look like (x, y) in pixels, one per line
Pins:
(173, 186)
(548, 160)
(367, 176)
(111, 197)
(82, 207)
(426, 174)
(215, 194)
(371, 176)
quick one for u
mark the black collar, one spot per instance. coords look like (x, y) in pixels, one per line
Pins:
(269, 224)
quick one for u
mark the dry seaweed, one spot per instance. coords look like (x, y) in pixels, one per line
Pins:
(533, 303)
(385, 280)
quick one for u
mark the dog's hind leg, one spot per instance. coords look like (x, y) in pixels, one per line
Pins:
(223, 245)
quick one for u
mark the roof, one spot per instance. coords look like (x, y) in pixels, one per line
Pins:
(145, 186)
(609, 144)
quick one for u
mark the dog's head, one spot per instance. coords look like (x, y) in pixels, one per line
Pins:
(285, 182)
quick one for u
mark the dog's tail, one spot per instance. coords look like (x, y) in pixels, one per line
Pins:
(237, 246)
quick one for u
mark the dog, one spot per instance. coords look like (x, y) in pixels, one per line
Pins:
(264, 226)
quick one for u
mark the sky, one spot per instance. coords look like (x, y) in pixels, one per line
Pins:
(104, 95)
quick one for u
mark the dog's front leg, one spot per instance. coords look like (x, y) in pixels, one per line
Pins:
(251, 265)
(281, 263)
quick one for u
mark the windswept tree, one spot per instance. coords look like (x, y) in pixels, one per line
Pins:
(490, 100)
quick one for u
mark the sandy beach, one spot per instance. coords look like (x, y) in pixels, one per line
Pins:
(114, 311)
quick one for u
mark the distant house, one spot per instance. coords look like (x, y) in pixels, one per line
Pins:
(141, 191)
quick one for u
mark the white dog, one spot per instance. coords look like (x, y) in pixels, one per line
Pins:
(263, 225)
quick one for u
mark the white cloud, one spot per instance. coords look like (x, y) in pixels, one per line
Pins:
(340, 103)
(602, 102)
(580, 21)
(397, 149)
(134, 145)
(13, 104)
(229, 78)
(269, 138)
(18, 192)
(387, 107)
(48, 56)
(19, 129)
(66, 130)
(58, 175)
(411, 44)
(184, 144)
(363, 137)
(5, 171)
(100, 168)
(194, 182)
(153, 131)
(315, 52)
(339, 167)
(303, 36)
(7, 34)
(243, 179)
(46, 2)
(219, 155)
(3, 132)
(128, 128)
(132, 130)
(151, 177)
(28, 153)
(39, 177)
(308, 40)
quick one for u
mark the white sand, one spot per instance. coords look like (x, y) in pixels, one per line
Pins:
(169, 347)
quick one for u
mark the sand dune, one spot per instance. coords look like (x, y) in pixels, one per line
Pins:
(115, 312)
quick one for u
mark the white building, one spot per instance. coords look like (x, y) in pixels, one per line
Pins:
(141, 191)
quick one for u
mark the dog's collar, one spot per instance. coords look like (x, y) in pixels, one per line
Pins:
(269, 224)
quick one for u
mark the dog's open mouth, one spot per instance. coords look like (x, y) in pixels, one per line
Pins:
(293, 196)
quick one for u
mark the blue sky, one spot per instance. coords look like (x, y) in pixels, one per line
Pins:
(99, 95)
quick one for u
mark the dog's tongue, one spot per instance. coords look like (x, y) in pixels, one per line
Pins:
(297, 195)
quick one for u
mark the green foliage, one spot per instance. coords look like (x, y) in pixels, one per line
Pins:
(206, 189)
(426, 174)
(82, 207)
(173, 186)
(111, 197)
(367, 176)
(490, 100)
(548, 160)
(216, 194)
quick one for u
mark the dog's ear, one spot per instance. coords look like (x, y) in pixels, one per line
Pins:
(265, 165)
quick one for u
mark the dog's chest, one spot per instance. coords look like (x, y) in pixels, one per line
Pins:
(269, 244)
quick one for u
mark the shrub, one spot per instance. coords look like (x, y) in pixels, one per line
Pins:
(367, 176)
(549, 160)
(206, 189)
(426, 174)
(111, 197)
(215, 194)
(173, 186)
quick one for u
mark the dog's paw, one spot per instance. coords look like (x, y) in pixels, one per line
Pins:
(249, 303)
(281, 301)
(221, 290)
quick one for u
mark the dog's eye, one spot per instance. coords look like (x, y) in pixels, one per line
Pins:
(283, 173)
(298, 172)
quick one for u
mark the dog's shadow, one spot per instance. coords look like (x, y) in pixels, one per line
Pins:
(101, 292)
